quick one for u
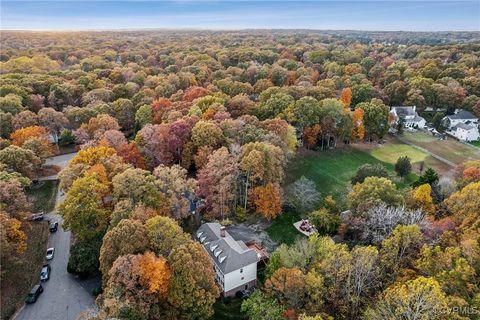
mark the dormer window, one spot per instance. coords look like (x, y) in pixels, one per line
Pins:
(217, 253)
(213, 247)
(199, 234)
(202, 239)
(221, 259)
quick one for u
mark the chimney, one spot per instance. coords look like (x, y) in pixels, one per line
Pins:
(222, 231)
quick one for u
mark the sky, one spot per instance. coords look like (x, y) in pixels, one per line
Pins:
(392, 15)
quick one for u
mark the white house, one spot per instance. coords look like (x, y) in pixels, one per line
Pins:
(463, 125)
(235, 264)
(409, 116)
(465, 132)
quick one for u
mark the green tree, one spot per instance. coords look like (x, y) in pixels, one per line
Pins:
(369, 170)
(403, 166)
(164, 235)
(83, 210)
(137, 185)
(375, 119)
(260, 307)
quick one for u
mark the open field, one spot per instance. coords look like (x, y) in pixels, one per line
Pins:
(20, 277)
(332, 170)
(42, 195)
(449, 149)
(282, 229)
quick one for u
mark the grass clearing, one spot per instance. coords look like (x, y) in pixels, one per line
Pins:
(21, 276)
(391, 152)
(43, 195)
(282, 229)
(450, 149)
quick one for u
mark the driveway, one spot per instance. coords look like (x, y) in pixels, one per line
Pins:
(60, 161)
(64, 297)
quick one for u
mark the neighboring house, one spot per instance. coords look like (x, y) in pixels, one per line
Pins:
(409, 116)
(235, 264)
(460, 116)
(463, 125)
(465, 132)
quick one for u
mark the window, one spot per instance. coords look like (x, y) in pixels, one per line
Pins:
(242, 278)
(246, 286)
(241, 270)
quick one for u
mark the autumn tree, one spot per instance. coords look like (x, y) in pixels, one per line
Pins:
(267, 200)
(176, 188)
(421, 298)
(346, 98)
(421, 198)
(358, 132)
(192, 289)
(20, 160)
(92, 156)
(164, 235)
(83, 210)
(373, 191)
(288, 286)
(216, 182)
(53, 120)
(137, 185)
(128, 237)
(25, 119)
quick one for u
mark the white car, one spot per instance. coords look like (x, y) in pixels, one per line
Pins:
(50, 253)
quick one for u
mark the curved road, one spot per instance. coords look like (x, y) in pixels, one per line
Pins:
(64, 297)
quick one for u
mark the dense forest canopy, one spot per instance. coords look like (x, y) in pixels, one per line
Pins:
(162, 120)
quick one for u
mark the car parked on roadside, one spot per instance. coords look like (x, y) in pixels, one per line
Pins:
(34, 294)
(50, 253)
(45, 273)
(53, 226)
(37, 216)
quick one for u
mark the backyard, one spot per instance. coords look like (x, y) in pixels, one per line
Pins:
(450, 149)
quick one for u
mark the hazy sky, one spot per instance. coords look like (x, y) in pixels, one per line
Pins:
(359, 15)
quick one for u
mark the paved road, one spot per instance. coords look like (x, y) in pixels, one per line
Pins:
(64, 297)
(61, 161)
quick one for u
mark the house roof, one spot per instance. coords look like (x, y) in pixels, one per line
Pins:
(227, 253)
(416, 119)
(403, 111)
(464, 126)
(462, 115)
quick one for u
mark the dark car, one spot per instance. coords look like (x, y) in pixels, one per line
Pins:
(53, 226)
(34, 294)
(45, 273)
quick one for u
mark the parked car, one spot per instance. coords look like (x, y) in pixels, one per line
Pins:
(50, 253)
(45, 273)
(34, 294)
(53, 226)
(37, 216)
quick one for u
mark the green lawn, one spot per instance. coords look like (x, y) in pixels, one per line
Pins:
(42, 195)
(391, 152)
(282, 229)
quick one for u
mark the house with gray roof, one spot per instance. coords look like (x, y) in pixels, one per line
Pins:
(409, 116)
(235, 264)
(463, 125)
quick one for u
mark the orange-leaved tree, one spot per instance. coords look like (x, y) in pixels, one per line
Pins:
(267, 200)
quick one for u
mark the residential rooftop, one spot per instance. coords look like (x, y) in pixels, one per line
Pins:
(227, 253)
